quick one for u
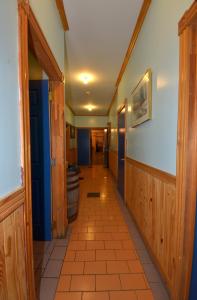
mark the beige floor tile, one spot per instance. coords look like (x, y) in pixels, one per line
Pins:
(98, 267)
(117, 267)
(72, 267)
(123, 295)
(86, 255)
(95, 296)
(107, 282)
(82, 283)
(144, 295)
(105, 255)
(133, 282)
(68, 296)
(93, 245)
(64, 283)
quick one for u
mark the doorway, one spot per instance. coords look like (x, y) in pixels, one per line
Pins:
(40, 160)
(32, 38)
(84, 146)
(97, 146)
(121, 151)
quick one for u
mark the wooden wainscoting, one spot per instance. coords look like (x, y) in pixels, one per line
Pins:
(113, 163)
(151, 198)
(13, 273)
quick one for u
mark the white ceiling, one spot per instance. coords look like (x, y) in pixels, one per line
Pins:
(97, 40)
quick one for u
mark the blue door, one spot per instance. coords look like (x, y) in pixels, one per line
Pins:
(193, 284)
(40, 159)
(121, 151)
(83, 146)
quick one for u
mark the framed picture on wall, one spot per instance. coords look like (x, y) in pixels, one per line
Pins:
(141, 100)
(72, 132)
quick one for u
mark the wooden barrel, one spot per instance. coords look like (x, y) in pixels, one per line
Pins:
(72, 194)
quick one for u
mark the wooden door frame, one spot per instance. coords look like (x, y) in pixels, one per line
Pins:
(30, 32)
(186, 148)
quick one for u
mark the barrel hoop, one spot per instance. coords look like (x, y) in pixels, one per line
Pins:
(73, 188)
(72, 182)
(73, 174)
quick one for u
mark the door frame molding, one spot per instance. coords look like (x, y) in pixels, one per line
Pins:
(187, 148)
(30, 34)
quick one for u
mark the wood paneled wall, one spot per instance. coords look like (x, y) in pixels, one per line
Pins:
(13, 272)
(113, 163)
(151, 198)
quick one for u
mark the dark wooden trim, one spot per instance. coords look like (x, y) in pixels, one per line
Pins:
(135, 34)
(164, 176)
(61, 9)
(134, 37)
(10, 203)
(189, 18)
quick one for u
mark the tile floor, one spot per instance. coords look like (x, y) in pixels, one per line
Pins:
(103, 256)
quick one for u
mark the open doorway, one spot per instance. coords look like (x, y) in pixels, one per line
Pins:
(97, 146)
(32, 38)
(40, 151)
(39, 111)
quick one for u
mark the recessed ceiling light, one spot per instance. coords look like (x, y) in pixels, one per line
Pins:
(87, 92)
(86, 78)
(89, 107)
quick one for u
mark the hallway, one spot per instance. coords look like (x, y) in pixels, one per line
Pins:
(105, 253)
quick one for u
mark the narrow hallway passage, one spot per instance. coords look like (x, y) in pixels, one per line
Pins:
(102, 261)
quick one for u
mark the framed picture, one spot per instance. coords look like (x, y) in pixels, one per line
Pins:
(72, 132)
(141, 100)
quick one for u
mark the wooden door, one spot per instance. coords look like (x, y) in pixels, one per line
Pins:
(40, 159)
(83, 147)
(58, 160)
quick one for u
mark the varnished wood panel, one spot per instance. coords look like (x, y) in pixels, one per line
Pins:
(113, 163)
(151, 199)
(13, 280)
(58, 154)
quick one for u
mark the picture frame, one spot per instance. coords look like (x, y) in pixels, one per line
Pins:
(72, 132)
(141, 100)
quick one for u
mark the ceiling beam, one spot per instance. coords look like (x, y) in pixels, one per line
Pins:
(60, 7)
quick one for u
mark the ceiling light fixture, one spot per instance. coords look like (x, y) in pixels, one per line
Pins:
(86, 78)
(89, 107)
